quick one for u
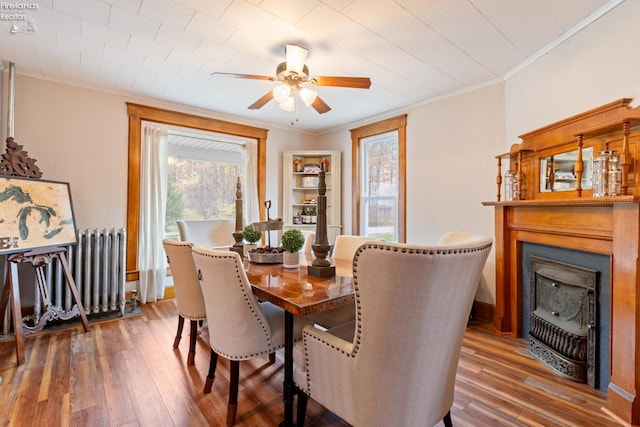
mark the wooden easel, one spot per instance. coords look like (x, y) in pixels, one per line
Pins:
(16, 162)
(39, 258)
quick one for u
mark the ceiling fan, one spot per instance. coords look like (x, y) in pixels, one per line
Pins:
(293, 74)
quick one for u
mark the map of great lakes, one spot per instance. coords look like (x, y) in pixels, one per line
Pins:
(34, 214)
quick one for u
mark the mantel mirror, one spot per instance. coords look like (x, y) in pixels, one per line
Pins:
(557, 172)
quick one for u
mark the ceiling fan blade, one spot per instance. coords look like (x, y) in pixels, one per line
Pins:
(320, 106)
(262, 101)
(242, 76)
(354, 82)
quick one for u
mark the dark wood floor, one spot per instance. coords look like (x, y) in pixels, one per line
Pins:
(126, 373)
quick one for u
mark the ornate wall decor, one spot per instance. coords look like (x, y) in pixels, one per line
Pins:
(16, 162)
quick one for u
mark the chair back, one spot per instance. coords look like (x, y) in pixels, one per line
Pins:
(185, 279)
(238, 329)
(308, 241)
(211, 232)
(459, 238)
(413, 304)
(345, 246)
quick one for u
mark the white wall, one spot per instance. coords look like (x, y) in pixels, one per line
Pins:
(598, 65)
(77, 136)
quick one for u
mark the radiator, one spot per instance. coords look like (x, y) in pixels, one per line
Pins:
(97, 265)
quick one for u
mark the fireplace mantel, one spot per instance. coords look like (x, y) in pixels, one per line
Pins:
(608, 226)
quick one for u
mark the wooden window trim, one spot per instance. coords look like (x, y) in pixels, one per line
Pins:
(138, 113)
(398, 123)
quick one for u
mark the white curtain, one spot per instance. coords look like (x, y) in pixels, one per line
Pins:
(153, 196)
(250, 194)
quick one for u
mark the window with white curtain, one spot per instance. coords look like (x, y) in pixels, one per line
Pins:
(379, 186)
(203, 169)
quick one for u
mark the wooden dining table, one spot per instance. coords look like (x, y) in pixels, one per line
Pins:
(299, 295)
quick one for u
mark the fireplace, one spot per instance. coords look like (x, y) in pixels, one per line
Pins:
(577, 222)
(565, 311)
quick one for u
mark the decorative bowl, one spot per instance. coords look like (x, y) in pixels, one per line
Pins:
(265, 258)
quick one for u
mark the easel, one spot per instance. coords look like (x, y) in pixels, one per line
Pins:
(16, 162)
(39, 258)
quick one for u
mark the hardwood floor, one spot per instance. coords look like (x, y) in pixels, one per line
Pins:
(126, 373)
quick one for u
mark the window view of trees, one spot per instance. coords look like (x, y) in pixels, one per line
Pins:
(200, 190)
(381, 181)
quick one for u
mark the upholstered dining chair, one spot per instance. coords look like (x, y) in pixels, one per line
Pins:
(346, 245)
(396, 363)
(240, 327)
(308, 241)
(187, 288)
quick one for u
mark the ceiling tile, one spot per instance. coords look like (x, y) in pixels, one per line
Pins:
(209, 28)
(91, 10)
(167, 12)
(128, 22)
(103, 34)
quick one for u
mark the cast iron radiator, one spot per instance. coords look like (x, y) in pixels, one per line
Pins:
(98, 268)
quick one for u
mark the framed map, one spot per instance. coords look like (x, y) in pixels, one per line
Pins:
(35, 213)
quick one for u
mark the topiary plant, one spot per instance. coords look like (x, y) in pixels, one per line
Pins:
(250, 234)
(292, 240)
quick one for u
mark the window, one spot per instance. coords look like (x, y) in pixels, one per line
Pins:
(137, 113)
(203, 169)
(379, 186)
(379, 179)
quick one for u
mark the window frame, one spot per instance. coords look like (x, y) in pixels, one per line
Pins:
(137, 114)
(399, 124)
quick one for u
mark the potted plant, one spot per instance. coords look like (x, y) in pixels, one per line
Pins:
(251, 235)
(292, 242)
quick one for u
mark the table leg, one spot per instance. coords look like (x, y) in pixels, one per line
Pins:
(288, 384)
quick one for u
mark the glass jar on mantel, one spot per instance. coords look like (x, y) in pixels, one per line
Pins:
(510, 183)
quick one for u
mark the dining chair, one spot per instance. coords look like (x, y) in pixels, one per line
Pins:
(396, 363)
(308, 241)
(346, 245)
(240, 327)
(187, 289)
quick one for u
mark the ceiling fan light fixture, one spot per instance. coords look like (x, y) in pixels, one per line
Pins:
(296, 57)
(308, 95)
(281, 92)
(288, 104)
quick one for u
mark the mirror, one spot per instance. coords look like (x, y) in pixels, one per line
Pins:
(564, 177)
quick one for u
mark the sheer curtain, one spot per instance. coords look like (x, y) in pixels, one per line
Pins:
(251, 192)
(153, 196)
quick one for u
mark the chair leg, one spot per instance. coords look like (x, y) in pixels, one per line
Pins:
(212, 372)
(234, 377)
(272, 358)
(179, 333)
(302, 408)
(447, 420)
(191, 357)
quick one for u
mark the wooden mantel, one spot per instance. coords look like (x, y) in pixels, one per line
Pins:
(577, 221)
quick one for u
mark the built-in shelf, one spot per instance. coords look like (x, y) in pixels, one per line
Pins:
(294, 192)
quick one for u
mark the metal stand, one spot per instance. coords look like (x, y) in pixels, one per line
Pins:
(39, 258)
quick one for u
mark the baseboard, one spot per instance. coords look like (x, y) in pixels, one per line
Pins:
(482, 311)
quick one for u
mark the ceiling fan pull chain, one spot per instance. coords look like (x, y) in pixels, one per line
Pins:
(294, 93)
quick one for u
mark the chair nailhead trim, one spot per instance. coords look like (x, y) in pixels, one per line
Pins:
(249, 301)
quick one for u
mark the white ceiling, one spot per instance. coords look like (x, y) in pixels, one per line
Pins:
(414, 51)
